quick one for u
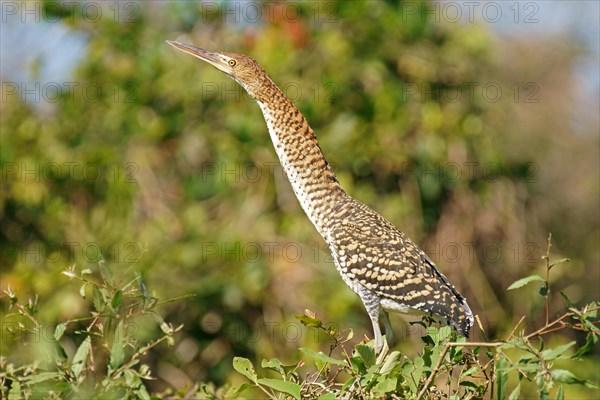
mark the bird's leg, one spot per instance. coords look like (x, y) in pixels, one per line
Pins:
(381, 344)
(378, 345)
(371, 302)
(390, 337)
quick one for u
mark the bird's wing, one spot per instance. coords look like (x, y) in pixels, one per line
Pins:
(376, 255)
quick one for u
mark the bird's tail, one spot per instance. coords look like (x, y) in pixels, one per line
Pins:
(451, 305)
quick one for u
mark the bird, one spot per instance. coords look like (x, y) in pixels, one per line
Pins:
(381, 264)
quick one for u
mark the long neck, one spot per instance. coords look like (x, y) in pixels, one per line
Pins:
(311, 177)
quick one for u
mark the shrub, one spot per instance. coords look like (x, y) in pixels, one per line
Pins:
(108, 360)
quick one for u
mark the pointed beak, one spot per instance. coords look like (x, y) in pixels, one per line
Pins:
(215, 59)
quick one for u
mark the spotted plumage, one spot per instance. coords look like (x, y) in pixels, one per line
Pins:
(375, 259)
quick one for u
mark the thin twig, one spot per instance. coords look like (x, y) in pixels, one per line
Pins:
(546, 329)
(434, 372)
(547, 283)
(443, 355)
(512, 362)
(542, 330)
(515, 328)
(474, 344)
(143, 351)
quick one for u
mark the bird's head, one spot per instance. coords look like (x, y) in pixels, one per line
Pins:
(243, 69)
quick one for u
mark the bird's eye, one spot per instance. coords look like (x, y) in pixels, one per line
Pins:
(232, 63)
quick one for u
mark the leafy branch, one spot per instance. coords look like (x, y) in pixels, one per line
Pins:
(106, 341)
(469, 369)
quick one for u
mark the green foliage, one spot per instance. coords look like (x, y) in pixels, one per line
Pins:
(524, 281)
(461, 369)
(108, 360)
(448, 366)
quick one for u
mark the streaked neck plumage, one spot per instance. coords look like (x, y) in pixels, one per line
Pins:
(311, 177)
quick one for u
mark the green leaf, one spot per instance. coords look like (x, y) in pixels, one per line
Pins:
(517, 342)
(589, 325)
(562, 260)
(41, 377)
(524, 281)
(327, 396)
(241, 388)
(416, 374)
(142, 393)
(309, 321)
(60, 354)
(350, 334)
(564, 376)
(349, 383)
(469, 384)
(322, 357)
(515, 393)
(244, 367)
(15, 391)
(106, 273)
(552, 354)
(80, 356)
(389, 363)
(442, 334)
(117, 352)
(59, 331)
(143, 288)
(501, 378)
(290, 388)
(117, 299)
(273, 364)
(131, 379)
(469, 372)
(560, 393)
(98, 300)
(590, 341)
(82, 290)
(370, 376)
(387, 385)
(366, 353)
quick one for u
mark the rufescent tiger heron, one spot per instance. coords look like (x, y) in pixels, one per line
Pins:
(375, 259)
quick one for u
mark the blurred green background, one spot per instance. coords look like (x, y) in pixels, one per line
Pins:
(475, 137)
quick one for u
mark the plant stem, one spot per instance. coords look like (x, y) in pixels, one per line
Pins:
(434, 372)
(515, 328)
(547, 282)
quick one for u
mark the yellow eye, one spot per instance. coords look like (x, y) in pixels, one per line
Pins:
(232, 63)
